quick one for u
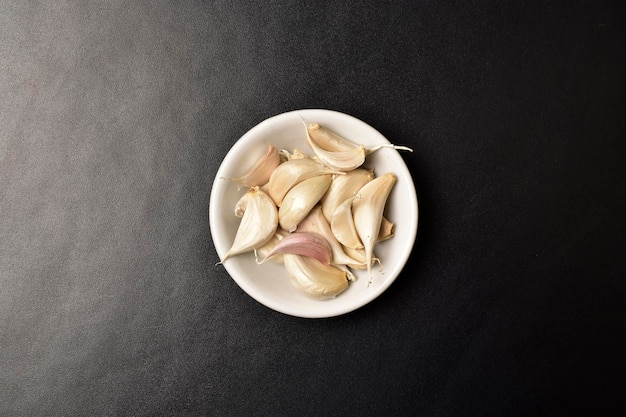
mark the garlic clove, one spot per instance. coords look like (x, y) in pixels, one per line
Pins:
(338, 155)
(315, 222)
(333, 142)
(339, 152)
(258, 223)
(359, 255)
(290, 173)
(342, 225)
(368, 209)
(299, 201)
(315, 279)
(305, 244)
(327, 139)
(343, 187)
(349, 275)
(261, 171)
(264, 251)
(265, 188)
(387, 230)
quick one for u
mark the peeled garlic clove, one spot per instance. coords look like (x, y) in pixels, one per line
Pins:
(316, 223)
(368, 209)
(313, 278)
(342, 225)
(290, 173)
(258, 223)
(387, 229)
(260, 172)
(305, 244)
(300, 200)
(343, 187)
(337, 155)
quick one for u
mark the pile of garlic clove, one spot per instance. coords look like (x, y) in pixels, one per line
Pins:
(320, 215)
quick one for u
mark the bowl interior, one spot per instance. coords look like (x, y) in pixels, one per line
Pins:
(269, 283)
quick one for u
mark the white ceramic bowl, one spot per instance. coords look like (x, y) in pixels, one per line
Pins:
(269, 283)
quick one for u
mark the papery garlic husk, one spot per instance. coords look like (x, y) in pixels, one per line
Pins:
(299, 201)
(258, 223)
(261, 171)
(343, 187)
(315, 279)
(290, 173)
(316, 222)
(386, 231)
(338, 152)
(308, 244)
(342, 225)
(368, 209)
(264, 251)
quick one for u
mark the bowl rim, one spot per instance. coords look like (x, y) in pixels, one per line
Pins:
(264, 298)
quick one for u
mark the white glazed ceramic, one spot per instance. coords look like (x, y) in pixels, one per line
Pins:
(269, 283)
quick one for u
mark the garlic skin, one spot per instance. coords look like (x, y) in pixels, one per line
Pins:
(261, 171)
(300, 200)
(343, 187)
(315, 279)
(292, 172)
(316, 223)
(258, 224)
(367, 210)
(305, 244)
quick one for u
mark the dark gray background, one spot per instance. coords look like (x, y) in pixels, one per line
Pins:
(114, 116)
